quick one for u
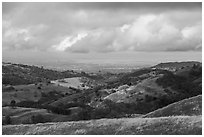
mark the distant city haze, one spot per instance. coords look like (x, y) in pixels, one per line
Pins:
(64, 60)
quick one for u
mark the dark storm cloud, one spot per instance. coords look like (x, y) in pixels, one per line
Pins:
(102, 27)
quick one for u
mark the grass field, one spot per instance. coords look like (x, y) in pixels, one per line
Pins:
(69, 82)
(21, 115)
(31, 92)
(183, 125)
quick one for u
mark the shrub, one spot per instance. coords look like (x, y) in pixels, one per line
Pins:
(149, 98)
(7, 120)
(58, 110)
(29, 104)
(84, 115)
(39, 87)
(15, 95)
(183, 85)
(13, 103)
(37, 119)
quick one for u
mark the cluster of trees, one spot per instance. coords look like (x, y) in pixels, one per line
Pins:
(110, 110)
(33, 120)
(29, 104)
(195, 72)
(118, 110)
(182, 84)
(32, 104)
(7, 120)
(14, 79)
(128, 78)
(37, 119)
(58, 110)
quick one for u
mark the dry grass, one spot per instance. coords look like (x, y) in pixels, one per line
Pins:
(69, 82)
(21, 115)
(130, 94)
(191, 106)
(190, 125)
(31, 92)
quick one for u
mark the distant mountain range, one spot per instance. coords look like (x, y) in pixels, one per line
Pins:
(176, 65)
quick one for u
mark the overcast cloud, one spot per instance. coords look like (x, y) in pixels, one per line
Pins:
(102, 27)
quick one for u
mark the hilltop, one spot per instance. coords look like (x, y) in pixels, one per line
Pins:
(174, 66)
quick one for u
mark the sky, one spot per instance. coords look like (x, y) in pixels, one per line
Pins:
(102, 32)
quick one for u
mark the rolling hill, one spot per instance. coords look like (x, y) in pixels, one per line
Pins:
(190, 107)
(158, 100)
(180, 118)
(19, 74)
(174, 66)
(20, 115)
(32, 92)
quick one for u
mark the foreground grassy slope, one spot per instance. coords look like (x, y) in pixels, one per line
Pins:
(191, 106)
(190, 125)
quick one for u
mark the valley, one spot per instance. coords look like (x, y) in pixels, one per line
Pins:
(32, 95)
(102, 68)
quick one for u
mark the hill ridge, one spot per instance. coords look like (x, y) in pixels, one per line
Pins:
(160, 110)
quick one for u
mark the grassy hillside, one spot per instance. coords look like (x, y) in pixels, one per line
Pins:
(32, 92)
(142, 97)
(19, 74)
(190, 125)
(130, 101)
(20, 115)
(191, 106)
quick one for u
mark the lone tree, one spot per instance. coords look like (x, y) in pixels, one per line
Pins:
(13, 103)
(39, 88)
